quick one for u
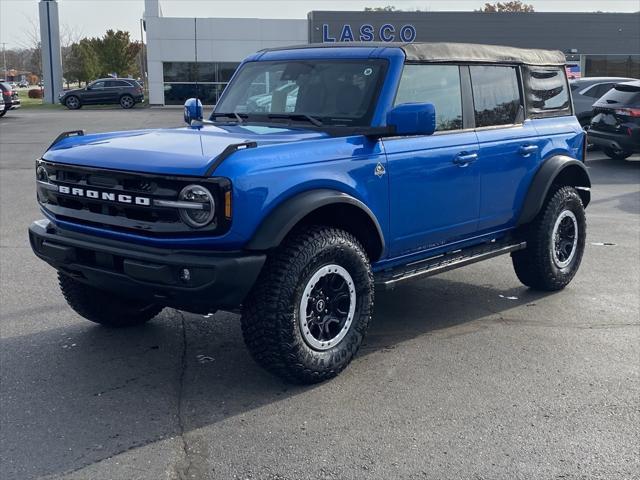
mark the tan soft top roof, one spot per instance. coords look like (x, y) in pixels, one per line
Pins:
(452, 52)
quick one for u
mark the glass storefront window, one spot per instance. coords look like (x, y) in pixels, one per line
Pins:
(612, 66)
(178, 93)
(180, 81)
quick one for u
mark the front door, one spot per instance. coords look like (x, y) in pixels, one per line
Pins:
(95, 93)
(434, 184)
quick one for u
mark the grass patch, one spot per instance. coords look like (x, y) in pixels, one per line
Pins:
(27, 102)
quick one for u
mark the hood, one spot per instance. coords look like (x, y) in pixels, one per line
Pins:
(72, 90)
(181, 151)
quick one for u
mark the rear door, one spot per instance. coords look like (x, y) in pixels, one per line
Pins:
(114, 89)
(509, 150)
(433, 179)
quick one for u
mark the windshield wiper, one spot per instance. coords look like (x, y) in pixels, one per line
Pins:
(298, 116)
(238, 116)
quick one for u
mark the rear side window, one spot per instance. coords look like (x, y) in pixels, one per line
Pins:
(436, 84)
(547, 91)
(496, 95)
(626, 95)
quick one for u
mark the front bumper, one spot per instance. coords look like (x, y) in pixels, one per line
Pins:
(614, 141)
(217, 280)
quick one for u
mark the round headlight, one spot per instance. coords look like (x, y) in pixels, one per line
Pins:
(42, 175)
(204, 206)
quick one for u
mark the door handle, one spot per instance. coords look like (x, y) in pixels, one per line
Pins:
(526, 150)
(464, 158)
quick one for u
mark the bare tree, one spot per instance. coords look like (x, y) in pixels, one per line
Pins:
(511, 6)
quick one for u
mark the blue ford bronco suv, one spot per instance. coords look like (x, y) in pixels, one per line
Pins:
(323, 172)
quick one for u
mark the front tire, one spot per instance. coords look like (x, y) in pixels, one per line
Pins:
(310, 309)
(100, 306)
(617, 154)
(555, 243)
(72, 102)
(127, 102)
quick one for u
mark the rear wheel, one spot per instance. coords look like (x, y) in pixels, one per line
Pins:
(617, 154)
(310, 309)
(72, 102)
(555, 243)
(100, 306)
(127, 101)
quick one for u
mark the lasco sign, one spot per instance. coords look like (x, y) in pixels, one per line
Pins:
(367, 33)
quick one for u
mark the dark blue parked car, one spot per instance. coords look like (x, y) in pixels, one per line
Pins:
(381, 163)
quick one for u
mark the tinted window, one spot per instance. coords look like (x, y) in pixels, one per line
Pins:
(436, 84)
(602, 89)
(100, 84)
(592, 92)
(496, 95)
(547, 91)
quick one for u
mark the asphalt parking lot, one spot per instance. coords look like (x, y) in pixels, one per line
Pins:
(468, 375)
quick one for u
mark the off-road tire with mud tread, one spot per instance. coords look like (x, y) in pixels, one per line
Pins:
(534, 265)
(103, 307)
(270, 324)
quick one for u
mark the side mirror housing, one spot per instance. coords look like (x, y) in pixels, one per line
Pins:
(413, 119)
(192, 111)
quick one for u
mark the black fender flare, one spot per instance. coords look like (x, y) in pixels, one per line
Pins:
(279, 222)
(559, 167)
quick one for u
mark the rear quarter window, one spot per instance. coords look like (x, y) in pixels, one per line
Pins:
(547, 92)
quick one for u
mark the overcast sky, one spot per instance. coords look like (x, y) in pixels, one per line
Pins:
(93, 17)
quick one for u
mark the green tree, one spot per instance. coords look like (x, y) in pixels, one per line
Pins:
(117, 53)
(511, 6)
(82, 62)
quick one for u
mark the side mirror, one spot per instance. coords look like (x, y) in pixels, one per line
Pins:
(413, 119)
(192, 111)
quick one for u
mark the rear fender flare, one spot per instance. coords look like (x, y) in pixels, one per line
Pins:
(560, 169)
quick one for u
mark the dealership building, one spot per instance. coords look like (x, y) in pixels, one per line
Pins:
(189, 56)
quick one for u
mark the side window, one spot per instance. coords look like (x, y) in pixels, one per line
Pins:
(547, 91)
(496, 95)
(97, 85)
(436, 84)
(592, 92)
(603, 88)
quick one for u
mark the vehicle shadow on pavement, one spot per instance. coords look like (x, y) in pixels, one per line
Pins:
(75, 396)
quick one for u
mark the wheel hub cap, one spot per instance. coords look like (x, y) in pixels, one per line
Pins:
(327, 307)
(564, 238)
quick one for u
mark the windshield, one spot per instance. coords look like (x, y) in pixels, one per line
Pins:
(327, 92)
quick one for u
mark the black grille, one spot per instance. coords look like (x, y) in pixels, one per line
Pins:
(143, 218)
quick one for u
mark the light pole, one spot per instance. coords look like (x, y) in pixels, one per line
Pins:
(4, 59)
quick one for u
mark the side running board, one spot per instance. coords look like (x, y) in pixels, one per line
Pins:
(445, 262)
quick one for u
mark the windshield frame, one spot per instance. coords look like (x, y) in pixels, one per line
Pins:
(364, 121)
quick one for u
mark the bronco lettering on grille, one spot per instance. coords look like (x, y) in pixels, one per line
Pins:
(107, 196)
